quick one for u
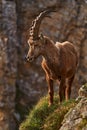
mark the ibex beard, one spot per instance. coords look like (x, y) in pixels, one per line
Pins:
(59, 60)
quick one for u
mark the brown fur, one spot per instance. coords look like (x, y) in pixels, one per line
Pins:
(59, 63)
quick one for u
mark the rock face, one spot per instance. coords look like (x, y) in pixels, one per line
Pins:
(76, 118)
(22, 82)
(8, 64)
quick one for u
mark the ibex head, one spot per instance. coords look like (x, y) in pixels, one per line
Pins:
(36, 41)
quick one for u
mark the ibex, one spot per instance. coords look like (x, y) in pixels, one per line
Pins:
(59, 60)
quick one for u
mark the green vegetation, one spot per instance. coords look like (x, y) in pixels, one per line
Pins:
(54, 120)
(82, 124)
(43, 117)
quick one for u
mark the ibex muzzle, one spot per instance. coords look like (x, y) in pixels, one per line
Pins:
(30, 56)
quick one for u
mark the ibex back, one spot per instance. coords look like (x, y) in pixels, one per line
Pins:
(59, 60)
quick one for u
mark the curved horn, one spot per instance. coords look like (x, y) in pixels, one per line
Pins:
(34, 30)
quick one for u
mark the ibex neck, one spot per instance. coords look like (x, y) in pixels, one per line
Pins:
(51, 52)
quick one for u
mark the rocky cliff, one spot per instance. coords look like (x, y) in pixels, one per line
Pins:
(76, 118)
(22, 83)
(8, 64)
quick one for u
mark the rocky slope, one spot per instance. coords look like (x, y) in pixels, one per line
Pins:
(76, 118)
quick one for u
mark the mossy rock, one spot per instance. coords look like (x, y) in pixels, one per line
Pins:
(84, 87)
(83, 91)
(83, 124)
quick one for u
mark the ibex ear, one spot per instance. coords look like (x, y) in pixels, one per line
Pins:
(42, 38)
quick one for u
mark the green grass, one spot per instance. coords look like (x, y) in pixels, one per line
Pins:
(55, 119)
(43, 117)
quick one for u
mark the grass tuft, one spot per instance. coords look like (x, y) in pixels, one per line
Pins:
(55, 119)
(43, 117)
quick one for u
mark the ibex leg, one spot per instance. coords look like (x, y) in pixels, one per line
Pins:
(62, 88)
(68, 88)
(50, 90)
